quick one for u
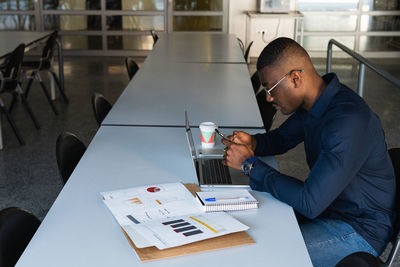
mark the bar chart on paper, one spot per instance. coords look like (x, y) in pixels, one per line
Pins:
(182, 230)
(183, 227)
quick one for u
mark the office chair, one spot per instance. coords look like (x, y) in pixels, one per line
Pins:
(241, 45)
(255, 81)
(267, 111)
(364, 259)
(359, 259)
(69, 150)
(131, 67)
(395, 157)
(155, 36)
(101, 107)
(44, 64)
(17, 227)
(9, 83)
(247, 52)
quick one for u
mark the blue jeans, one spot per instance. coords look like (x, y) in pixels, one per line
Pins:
(328, 241)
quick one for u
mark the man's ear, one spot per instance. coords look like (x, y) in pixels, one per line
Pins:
(296, 79)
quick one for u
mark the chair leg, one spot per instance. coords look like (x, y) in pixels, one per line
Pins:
(13, 100)
(48, 97)
(28, 87)
(62, 92)
(12, 123)
(28, 108)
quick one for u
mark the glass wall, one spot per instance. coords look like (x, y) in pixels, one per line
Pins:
(135, 23)
(138, 5)
(72, 22)
(17, 22)
(110, 27)
(197, 23)
(362, 25)
(17, 5)
(198, 16)
(17, 15)
(71, 5)
(198, 5)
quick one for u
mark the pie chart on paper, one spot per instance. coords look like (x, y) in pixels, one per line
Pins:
(153, 189)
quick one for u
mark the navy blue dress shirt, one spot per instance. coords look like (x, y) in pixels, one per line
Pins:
(351, 175)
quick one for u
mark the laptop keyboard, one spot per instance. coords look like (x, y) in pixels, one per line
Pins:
(215, 172)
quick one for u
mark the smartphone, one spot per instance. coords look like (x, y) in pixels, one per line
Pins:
(223, 136)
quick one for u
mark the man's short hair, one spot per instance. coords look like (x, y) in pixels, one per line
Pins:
(273, 52)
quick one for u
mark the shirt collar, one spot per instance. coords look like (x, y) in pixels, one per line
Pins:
(322, 102)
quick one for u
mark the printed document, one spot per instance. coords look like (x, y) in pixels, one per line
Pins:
(166, 215)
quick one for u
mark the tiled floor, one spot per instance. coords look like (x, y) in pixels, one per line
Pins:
(29, 176)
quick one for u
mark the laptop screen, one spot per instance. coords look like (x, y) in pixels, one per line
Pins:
(190, 137)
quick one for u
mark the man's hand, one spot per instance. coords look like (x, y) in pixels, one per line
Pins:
(243, 138)
(235, 154)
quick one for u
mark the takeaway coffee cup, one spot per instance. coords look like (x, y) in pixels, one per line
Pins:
(207, 132)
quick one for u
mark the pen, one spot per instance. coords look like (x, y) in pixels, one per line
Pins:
(227, 198)
(224, 136)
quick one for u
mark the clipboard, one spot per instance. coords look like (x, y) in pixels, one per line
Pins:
(225, 241)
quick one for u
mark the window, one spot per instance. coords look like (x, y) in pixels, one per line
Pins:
(110, 27)
(363, 25)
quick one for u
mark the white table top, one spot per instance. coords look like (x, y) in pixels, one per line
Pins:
(80, 231)
(9, 40)
(159, 94)
(198, 47)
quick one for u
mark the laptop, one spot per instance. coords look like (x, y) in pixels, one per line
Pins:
(211, 172)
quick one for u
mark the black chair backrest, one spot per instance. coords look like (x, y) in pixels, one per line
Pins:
(246, 54)
(69, 150)
(267, 111)
(17, 227)
(48, 49)
(255, 81)
(241, 45)
(13, 62)
(395, 157)
(101, 107)
(131, 67)
(154, 35)
(359, 259)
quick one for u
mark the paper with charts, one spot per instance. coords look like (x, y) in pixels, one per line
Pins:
(166, 215)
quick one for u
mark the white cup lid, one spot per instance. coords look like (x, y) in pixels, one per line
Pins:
(208, 126)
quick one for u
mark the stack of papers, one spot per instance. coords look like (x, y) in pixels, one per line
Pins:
(166, 215)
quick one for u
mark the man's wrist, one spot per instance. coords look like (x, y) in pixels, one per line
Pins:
(248, 165)
(253, 143)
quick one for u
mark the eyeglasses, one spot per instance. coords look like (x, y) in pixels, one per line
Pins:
(268, 91)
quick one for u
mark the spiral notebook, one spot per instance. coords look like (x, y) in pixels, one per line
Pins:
(225, 200)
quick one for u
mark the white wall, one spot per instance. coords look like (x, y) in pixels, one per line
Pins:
(237, 21)
(237, 16)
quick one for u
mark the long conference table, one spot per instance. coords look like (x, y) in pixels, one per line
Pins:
(197, 48)
(79, 230)
(159, 95)
(178, 76)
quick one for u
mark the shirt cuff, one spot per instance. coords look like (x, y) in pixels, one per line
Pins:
(257, 175)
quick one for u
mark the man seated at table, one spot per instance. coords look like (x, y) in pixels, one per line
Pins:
(347, 202)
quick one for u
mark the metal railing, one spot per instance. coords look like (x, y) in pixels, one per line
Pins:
(361, 71)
